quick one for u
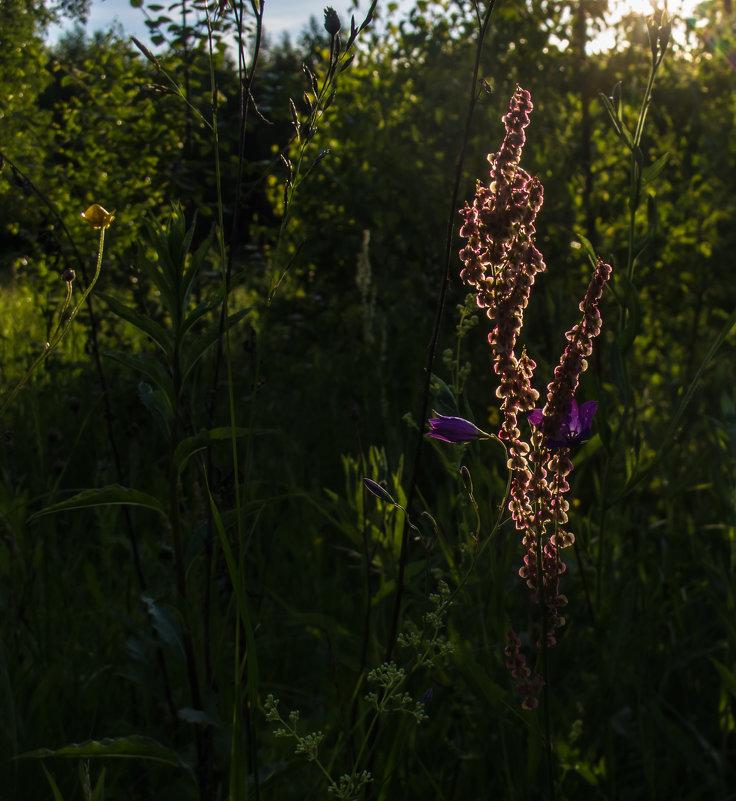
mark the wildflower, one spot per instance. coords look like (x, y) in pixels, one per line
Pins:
(454, 429)
(97, 217)
(573, 428)
(68, 275)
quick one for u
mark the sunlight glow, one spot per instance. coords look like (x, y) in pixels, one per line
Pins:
(618, 9)
(623, 7)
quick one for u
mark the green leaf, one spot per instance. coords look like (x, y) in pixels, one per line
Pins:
(614, 114)
(630, 302)
(727, 677)
(165, 623)
(195, 263)
(150, 367)
(157, 402)
(652, 216)
(157, 333)
(98, 794)
(619, 372)
(135, 746)
(54, 786)
(198, 312)
(589, 249)
(188, 447)
(238, 584)
(151, 271)
(476, 675)
(9, 713)
(112, 495)
(199, 346)
(443, 400)
(651, 172)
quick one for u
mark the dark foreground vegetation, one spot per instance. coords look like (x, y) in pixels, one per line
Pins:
(188, 549)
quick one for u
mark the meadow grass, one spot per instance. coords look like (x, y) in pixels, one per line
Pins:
(207, 597)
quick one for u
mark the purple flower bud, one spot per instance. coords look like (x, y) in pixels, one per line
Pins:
(453, 429)
(574, 427)
(427, 697)
(332, 21)
(376, 489)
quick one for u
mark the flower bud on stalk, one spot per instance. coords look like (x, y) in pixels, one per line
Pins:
(333, 25)
(97, 217)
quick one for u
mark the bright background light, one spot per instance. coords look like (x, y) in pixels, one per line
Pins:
(682, 8)
(291, 16)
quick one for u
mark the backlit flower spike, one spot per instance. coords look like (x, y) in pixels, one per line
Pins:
(97, 217)
(454, 429)
(574, 427)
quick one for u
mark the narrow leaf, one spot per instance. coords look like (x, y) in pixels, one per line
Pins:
(134, 746)
(157, 333)
(199, 346)
(188, 447)
(589, 249)
(112, 495)
(149, 367)
(727, 677)
(633, 306)
(158, 403)
(236, 579)
(651, 172)
(54, 786)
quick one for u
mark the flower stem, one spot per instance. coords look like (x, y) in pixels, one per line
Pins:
(61, 328)
(545, 666)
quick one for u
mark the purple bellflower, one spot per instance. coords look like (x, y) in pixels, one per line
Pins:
(453, 429)
(573, 428)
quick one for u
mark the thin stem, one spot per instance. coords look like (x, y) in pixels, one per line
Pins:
(432, 348)
(61, 328)
(545, 661)
(239, 668)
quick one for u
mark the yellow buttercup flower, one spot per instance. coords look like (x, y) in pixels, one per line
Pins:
(97, 217)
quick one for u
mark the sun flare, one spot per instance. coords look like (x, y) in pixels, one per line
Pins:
(624, 7)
